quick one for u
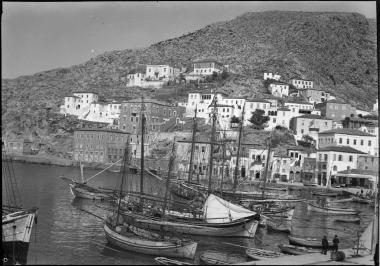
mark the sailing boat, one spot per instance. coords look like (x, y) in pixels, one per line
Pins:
(17, 222)
(219, 217)
(122, 232)
(80, 189)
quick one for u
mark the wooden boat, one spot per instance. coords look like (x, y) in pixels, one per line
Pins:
(348, 220)
(296, 250)
(86, 192)
(167, 261)
(325, 194)
(331, 210)
(278, 226)
(17, 223)
(259, 254)
(361, 200)
(307, 242)
(340, 201)
(218, 258)
(132, 240)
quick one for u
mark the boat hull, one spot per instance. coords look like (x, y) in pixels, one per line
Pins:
(16, 241)
(339, 211)
(259, 254)
(150, 247)
(240, 228)
(355, 220)
(306, 242)
(85, 194)
(294, 250)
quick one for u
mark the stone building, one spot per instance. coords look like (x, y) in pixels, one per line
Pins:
(18, 146)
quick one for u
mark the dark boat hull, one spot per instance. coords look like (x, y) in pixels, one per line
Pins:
(17, 248)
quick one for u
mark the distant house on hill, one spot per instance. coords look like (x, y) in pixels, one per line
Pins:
(336, 110)
(207, 67)
(18, 146)
(271, 76)
(279, 89)
(302, 83)
(314, 95)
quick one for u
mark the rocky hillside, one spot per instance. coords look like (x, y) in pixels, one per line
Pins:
(337, 50)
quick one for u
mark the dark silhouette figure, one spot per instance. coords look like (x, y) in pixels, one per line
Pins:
(325, 245)
(335, 244)
(376, 255)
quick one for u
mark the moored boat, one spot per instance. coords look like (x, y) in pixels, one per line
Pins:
(278, 226)
(218, 258)
(129, 238)
(331, 210)
(348, 220)
(86, 192)
(325, 194)
(167, 261)
(340, 201)
(259, 254)
(361, 200)
(307, 242)
(296, 250)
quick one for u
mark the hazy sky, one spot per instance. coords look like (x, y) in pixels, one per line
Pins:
(42, 36)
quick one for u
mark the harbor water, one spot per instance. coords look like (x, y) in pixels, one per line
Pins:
(66, 235)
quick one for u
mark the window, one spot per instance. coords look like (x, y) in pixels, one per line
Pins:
(334, 168)
(354, 141)
(361, 142)
(350, 158)
(340, 158)
(326, 157)
(369, 143)
(320, 157)
(348, 141)
(203, 148)
(340, 140)
(302, 131)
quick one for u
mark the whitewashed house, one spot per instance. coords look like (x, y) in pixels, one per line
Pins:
(206, 67)
(78, 104)
(271, 76)
(279, 89)
(302, 83)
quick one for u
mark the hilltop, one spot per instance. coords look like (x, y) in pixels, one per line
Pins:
(336, 50)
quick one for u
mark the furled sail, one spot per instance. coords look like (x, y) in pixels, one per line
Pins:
(217, 210)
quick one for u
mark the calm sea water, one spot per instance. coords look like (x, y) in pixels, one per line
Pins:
(66, 235)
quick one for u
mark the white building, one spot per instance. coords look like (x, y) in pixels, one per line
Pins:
(237, 103)
(79, 104)
(207, 67)
(353, 138)
(161, 72)
(257, 161)
(376, 105)
(104, 112)
(298, 106)
(281, 117)
(201, 101)
(334, 159)
(271, 76)
(136, 79)
(302, 83)
(307, 124)
(362, 112)
(280, 168)
(279, 89)
(252, 104)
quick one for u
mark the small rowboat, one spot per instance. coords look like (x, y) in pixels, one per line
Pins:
(166, 261)
(218, 258)
(331, 210)
(307, 242)
(348, 220)
(274, 226)
(259, 254)
(295, 250)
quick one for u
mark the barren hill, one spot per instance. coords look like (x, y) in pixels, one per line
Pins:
(337, 50)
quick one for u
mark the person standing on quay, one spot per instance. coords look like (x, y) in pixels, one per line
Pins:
(335, 244)
(325, 245)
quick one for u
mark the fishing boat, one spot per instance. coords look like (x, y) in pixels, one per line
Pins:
(325, 194)
(124, 234)
(17, 223)
(348, 220)
(259, 254)
(307, 242)
(167, 261)
(331, 210)
(81, 189)
(296, 250)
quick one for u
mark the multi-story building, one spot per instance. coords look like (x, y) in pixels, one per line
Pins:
(280, 168)
(257, 156)
(368, 162)
(332, 159)
(309, 124)
(158, 115)
(271, 76)
(161, 72)
(281, 117)
(302, 83)
(136, 79)
(336, 110)
(18, 146)
(99, 145)
(202, 102)
(105, 112)
(356, 139)
(251, 105)
(79, 103)
(279, 89)
(300, 106)
(207, 67)
(314, 95)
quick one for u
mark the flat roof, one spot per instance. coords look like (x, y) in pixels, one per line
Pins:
(347, 131)
(346, 149)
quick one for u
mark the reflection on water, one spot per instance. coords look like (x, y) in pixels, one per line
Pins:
(66, 235)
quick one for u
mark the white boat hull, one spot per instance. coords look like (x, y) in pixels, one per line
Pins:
(151, 247)
(329, 210)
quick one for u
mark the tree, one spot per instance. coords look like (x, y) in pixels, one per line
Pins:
(308, 139)
(235, 119)
(258, 119)
(224, 75)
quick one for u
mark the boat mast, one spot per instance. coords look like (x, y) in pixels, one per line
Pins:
(223, 162)
(124, 172)
(211, 163)
(267, 163)
(238, 151)
(142, 152)
(192, 145)
(167, 190)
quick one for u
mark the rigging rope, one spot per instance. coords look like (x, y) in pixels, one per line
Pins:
(103, 170)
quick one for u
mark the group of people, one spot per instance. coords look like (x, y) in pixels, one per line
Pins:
(325, 245)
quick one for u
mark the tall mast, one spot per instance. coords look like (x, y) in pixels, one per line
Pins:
(167, 190)
(123, 174)
(142, 151)
(211, 162)
(192, 145)
(238, 151)
(267, 163)
(223, 162)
